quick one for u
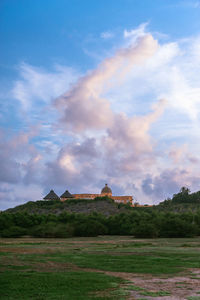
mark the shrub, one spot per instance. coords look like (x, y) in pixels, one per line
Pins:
(13, 232)
(176, 227)
(53, 230)
(145, 230)
(90, 228)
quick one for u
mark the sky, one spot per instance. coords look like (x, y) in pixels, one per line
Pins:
(98, 91)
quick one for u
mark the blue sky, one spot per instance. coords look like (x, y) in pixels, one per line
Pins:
(99, 91)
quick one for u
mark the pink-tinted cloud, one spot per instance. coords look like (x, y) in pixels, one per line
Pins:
(135, 150)
(84, 106)
(182, 155)
(17, 154)
(20, 169)
(168, 182)
(120, 144)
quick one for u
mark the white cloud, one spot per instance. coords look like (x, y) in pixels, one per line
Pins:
(37, 85)
(187, 4)
(168, 72)
(172, 73)
(84, 105)
(107, 35)
(13, 195)
(115, 127)
(137, 32)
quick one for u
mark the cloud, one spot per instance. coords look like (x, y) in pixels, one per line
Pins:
(172, 73)
(137, 32)
(187, 4)
(12, 195)
(36, 85)
(162, 186)
(182, 155)
(84, 105)
(130, 136)
(107, 35)
(74, 166)
(114, 125)
(92, 159)
(17, 155)
(10, 153)
(20, 171)
(168, 182)
(85, 109)
(144, 68)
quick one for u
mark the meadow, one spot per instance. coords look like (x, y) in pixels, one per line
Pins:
(103, 267)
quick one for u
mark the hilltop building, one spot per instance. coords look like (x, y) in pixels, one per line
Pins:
(51, 196)
(66, 195)
(106, 191)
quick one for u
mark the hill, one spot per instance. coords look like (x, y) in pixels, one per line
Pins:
(184, 201)
(102, 205)
(176, 217)
(169, 206)
(180, 203)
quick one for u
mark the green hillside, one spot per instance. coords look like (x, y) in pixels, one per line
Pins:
(103, 205)
(184, 201)
(176, 217)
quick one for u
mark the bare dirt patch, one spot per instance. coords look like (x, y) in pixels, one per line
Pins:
(180, 287)
(27, 250)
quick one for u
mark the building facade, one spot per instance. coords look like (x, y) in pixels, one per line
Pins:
(106, 191)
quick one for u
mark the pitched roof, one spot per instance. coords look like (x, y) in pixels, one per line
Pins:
(66, 194)
(51, 195)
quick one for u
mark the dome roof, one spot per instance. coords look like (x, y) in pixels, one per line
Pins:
(106, 190)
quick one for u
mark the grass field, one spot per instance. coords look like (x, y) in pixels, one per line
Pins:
(105, 267)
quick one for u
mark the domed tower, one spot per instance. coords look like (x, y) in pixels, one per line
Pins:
(106, 191)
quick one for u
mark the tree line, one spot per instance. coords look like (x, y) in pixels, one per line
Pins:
(139, 222)
(184, 196)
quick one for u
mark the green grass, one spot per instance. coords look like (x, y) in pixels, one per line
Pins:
(4, 253)
(120, 292)
(56, 285)
(153, 263)
(164, 257)
(134, 288)
(155, 294)
(55, 268)
(18, 267)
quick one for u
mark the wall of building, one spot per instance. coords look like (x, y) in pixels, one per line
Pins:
(123, 199)
(85, 196)
(117, 199)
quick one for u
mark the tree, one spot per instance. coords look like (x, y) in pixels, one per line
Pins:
(184, 191)
(145, 230)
